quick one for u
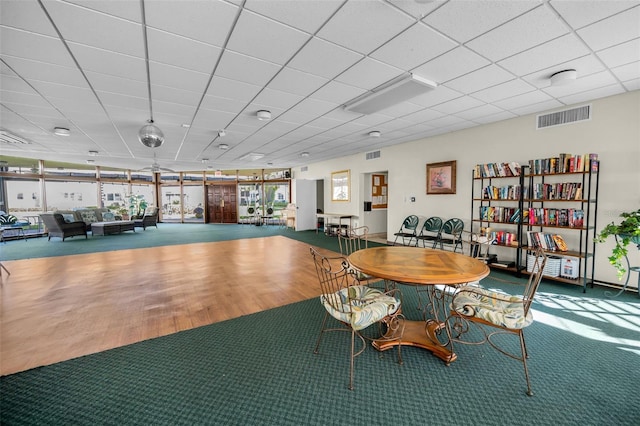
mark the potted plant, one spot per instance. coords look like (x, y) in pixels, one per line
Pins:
(625, 233)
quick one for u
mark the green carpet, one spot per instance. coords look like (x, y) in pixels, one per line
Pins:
(260, 370)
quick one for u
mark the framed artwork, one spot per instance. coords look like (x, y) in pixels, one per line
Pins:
(340, 186)
(441, 178)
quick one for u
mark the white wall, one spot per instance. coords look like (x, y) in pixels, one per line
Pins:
(613, 133)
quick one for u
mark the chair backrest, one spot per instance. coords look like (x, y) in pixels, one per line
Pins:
(333, 275)
(453, 226)
(353, 239)
(251, 210)
(52, 220)
(410, 223)
(432, 224)
(534, 279)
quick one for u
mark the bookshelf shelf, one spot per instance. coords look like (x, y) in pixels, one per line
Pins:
(569, 181)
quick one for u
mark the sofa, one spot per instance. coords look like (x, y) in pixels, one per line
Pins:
(88, 216)
(58, 227)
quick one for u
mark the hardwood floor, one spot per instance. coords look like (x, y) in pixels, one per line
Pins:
(58, 308)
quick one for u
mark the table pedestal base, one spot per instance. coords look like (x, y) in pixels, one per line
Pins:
(422, 335)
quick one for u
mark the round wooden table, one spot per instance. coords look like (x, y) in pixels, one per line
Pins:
(421, 266)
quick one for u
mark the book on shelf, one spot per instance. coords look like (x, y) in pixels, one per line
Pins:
(497, 170)
(563, 163)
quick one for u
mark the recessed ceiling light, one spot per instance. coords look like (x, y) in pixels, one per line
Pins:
(93, 153)
(375, 134)
(186, 125)
(223, 146)
(204, 160)
(563, 77)
(304, 154)
(222, 133)
(91, 161)
(264, 115)
(61, 131)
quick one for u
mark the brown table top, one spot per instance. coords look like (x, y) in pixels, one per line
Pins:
(417, 265)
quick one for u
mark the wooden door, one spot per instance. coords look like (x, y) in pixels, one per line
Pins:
(221, 204)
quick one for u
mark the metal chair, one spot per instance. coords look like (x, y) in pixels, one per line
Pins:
(356, 307)
(497, 313)
(430, 232)
(408, 229)
(450, 235)
(352, 240)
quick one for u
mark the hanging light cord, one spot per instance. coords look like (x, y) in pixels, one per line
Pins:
(146, 58)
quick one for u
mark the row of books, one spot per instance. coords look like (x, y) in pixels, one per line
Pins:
(564, 163)
(557, 191)
(548, 241)
(573, 218)
(508, 192)
(497, 170)
(500, 214)
(503, 238)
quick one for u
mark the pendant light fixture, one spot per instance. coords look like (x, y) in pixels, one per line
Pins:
(149, 135)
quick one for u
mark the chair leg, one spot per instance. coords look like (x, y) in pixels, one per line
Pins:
(324, 321)
(352, 362)
(523, 348)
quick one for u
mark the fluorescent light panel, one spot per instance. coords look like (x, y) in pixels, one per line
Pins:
(391, 93)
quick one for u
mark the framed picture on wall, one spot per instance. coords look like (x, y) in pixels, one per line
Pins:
(441, 178)
(340, 186)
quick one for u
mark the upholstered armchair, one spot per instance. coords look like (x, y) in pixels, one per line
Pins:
(150, 218)
(58, 227)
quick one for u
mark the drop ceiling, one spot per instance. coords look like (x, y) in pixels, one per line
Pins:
(81, 65)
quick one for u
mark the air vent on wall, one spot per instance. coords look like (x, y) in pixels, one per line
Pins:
(564, 117)
(372, 155)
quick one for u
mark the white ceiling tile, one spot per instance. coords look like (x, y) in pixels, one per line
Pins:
(614, 30)
(368, 74)
(621, 54)
(232, 89)
(600, 92)
(170, 94)
(504, 115)
(324, 59)
(296, 82)
(212, 120)
(457, 105)
(178, 78)
(308, 15)
(337, 93)
(627, 72)
(109, 83)
(584, 12)
(531, 29)
(519, 101)
(124, 9)
(244, 68)
(26, 15)
(277, 99)
(437, 96)
(266, 39)
(106, 62)
(479, 112)
(413, 47)
(315, 107)
(423, 116)
(97, 29)
(585, 66)
(464, 20)
(504, 90)
(477, 80)
(22, 99)
(417, 9)
(349, 25)
(562, 49)
(217, 103)
(582, 84)
(31, 70)
(33, 46)
(452, 64)
(206, 21)
(632, 84)
(536, 108)
(181, 52)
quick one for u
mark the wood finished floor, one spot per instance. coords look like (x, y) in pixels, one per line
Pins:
(58, 308)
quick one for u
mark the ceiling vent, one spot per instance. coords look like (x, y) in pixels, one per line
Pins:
(11, 139)
(372, 155)
(567, 116)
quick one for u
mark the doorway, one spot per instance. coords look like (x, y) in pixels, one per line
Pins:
(222, 204)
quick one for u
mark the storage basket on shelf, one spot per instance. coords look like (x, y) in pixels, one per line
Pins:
(551, 269)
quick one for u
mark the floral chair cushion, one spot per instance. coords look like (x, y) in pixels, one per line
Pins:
(501, 309)
(360, 306)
